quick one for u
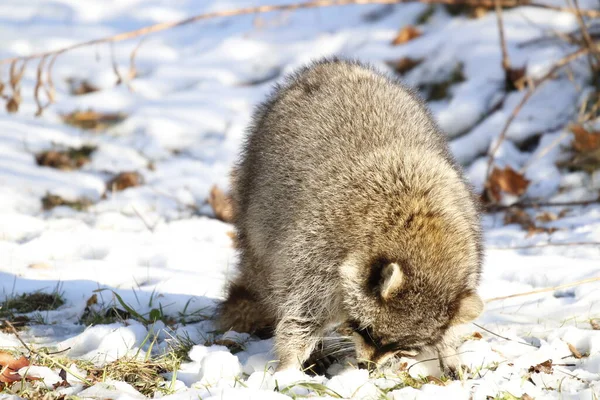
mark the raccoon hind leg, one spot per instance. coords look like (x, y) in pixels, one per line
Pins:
(242, 312)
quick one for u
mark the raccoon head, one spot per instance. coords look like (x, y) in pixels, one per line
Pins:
(397, 310)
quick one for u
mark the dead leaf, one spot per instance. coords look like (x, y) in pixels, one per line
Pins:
(545, 367)
(9, 366)
(595, 324)
(80, 87)
(92, 120)
(515, 78)
(477, 335)
(12, 105)
(574, 350)
(526, 397)
(124, 180)
(584, 139)
(546, 216)
(505, 180)
(69, 159)
(92, 300)
(221, 204)
(406, 34)
(405, 64)
(51, 200)
(39, 266)
(520, 217)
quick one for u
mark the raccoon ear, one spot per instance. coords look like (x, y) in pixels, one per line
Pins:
(469, 308)
(391, 279)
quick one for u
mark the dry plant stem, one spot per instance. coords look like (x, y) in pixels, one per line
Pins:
(532, 88)
(46, 356)
(544, 290)
(284, 7)
(549, 244)
(115, 67)
(589, 42)
(503, 337)
(498, 208)
(505, 58)
(544, 151)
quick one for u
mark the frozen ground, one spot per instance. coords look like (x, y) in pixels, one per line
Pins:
(186, 114)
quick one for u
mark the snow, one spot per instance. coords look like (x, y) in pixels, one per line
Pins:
(158, 247)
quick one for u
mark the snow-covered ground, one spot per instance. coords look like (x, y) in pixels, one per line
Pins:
(185, 117)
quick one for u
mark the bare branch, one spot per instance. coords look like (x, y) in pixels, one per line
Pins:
(115, 67)
(533, 86)
(283, 7)
(505, 58)
(549, 244)
(544, 290)
(497, 207)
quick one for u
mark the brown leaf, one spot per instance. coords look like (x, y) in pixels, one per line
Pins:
(505, 180)
(546, 216)
(92, 120)
(49, 201)
(405, 64)
(545, 367)
(9, 365)
(584, 140)
(69, 159)
(406, 34)
(477, 335)
(92, 300)
(81, 87)
(124, 180)
(515, 78)
(526, 397)
(595, 324)
(520, 217)
(221, 204)
(12, 105)
(574, 350)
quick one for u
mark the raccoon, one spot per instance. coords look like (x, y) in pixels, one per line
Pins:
(350, 211)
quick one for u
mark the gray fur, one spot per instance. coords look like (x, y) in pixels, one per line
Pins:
(345, 171)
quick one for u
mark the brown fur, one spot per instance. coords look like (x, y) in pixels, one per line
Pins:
(349, 208)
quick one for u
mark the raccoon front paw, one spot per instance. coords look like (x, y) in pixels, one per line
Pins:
(456, 372)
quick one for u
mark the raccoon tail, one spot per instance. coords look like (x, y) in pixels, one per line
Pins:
(242, 312)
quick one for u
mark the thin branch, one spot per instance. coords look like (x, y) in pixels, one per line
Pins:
(497, 207)
(504, 337)
(505, 58)
(533, 86)
(115, 67)
(589, 42)
(132, 69)
(283, 7)
(545, 290)
(46, 356)
(544, 151)
(549, 244)
(16, 333)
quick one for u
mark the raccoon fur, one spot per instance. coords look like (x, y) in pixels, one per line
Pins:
(350, 210)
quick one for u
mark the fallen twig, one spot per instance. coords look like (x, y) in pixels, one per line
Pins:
(46, 356)
(544, 290)
(503, 337)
